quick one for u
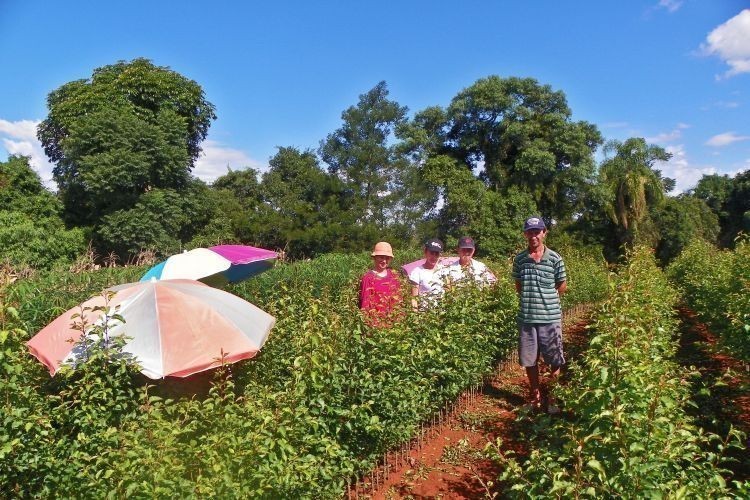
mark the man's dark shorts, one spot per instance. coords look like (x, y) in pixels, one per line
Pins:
(544, 339)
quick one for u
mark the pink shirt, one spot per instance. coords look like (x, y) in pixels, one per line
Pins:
(380, 297)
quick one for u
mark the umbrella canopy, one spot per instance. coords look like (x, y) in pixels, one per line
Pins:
(174, 328)
(444, 261)
(215, 265)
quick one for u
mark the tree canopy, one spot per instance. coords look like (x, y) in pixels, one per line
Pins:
(130, 128)
(359, 153)
(632, 183)
(305, 210)
(124, 143)
(515, 133)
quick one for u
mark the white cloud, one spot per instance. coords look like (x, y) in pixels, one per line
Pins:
(615, 125)
(722, 105)
(23, 129)
(728, 104)
(669, 5)
(671, 136)
(730, 42)
(726, 139)
(686, 176)
(217, 158)
(19, 138)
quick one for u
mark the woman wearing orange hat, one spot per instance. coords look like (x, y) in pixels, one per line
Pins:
(380, 295)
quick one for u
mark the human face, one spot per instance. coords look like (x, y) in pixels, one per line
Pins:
(431, 258)
(465, 255)
(381, 262)
(535, 238)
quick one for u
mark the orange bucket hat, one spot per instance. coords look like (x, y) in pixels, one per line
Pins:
(382, 248)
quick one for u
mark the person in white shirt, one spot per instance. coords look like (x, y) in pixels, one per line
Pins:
(467, 268)
(425, 289)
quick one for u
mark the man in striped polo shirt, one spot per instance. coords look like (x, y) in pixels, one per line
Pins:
(540, 278)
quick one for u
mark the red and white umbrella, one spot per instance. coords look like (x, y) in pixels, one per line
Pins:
(174, 328)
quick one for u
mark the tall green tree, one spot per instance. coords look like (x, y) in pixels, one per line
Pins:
(737, 208)
(239, 197)
(632, 184)
(469, 207)
(304, 209)
(678, 221)
(714, 190)
(130, 128)
(515, 133)
(243, 184)
(361, 154)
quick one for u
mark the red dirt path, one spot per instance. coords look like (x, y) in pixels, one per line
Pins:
(450, 463)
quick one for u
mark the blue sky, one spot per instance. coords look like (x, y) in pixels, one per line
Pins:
(676, 72)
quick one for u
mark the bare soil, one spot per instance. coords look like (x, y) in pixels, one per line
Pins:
(450, 462)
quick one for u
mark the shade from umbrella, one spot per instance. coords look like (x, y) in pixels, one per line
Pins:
(174, 328)
(444, 261)
(215, 265)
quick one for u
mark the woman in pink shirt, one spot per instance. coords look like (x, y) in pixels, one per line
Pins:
(380, 296)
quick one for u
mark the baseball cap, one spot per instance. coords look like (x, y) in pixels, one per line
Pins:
(465, 242)
(382, 248)
(534, 223)
(434, 245)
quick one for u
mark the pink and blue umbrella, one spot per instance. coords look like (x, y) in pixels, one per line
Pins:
(216, 266)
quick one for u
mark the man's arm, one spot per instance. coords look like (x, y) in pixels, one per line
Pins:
(561, 287)
(518, 286)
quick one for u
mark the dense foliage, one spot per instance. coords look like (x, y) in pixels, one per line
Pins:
(627, 431)
(516, 133)
(632, 184)
(326, 396)
(680, 220)
(716, 285)
(125, 140)
(729, 199)
(32, 233)
(131, 130)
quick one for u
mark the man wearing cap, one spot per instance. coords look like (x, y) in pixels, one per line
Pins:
(467, 268)
(540, 278)
(424, 287)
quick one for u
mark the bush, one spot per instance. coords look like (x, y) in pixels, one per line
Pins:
(628, 431)
(38, 243)
(320, 403)
(716, 284)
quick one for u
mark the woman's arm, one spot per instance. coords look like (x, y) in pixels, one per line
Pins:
(365, 292)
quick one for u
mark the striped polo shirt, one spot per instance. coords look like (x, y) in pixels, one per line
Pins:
(540, 302)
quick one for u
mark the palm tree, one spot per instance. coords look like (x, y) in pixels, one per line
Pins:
(632, 183)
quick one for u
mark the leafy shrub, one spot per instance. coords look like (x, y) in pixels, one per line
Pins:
(628, 431)
(55, 430)
(39, 243)
(320, 403)
(716, 284)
